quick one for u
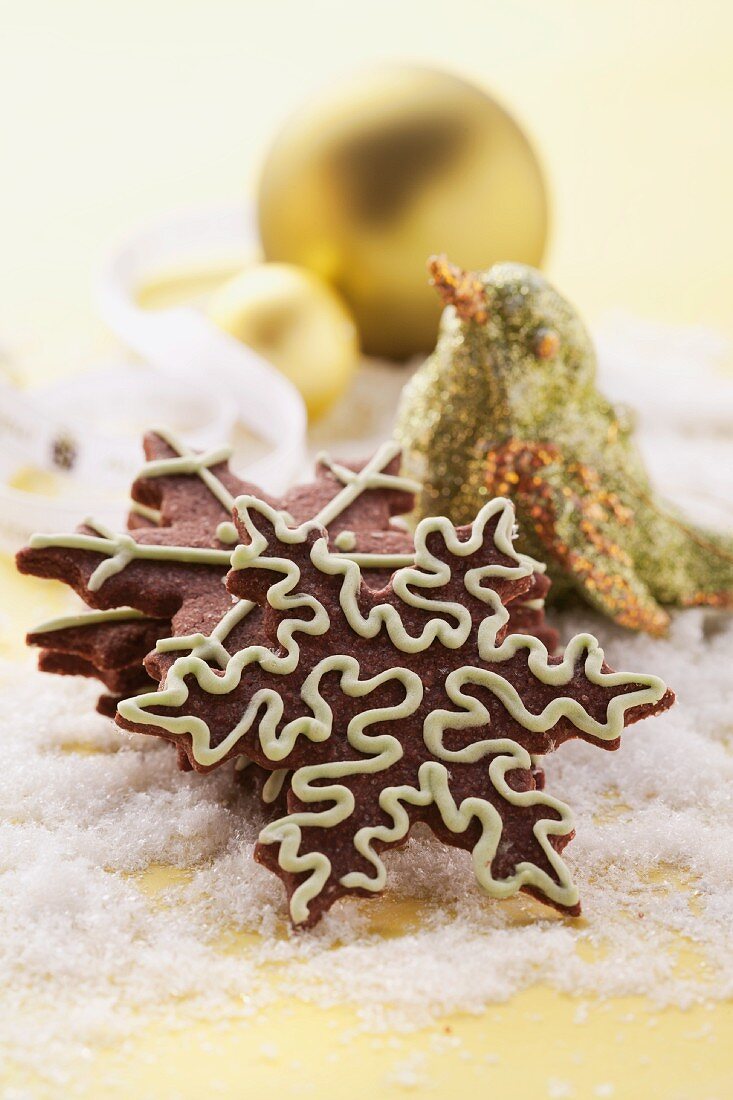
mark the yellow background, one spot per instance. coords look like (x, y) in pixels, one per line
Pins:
(112, 113)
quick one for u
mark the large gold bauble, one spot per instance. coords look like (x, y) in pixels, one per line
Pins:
(295, 320)
(390, 166)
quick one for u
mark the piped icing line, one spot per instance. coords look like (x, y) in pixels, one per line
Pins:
(266, 705)
(273, 785)
(120, 549)
(371, 476)
(434, 788)
(189, 462)
(209, 647)
(369, 560)
(582, 647)
(91, 618)
(144, 510)
(378, 753)
(427, 572)
(175, 693)
(474, 714)
(310, 783)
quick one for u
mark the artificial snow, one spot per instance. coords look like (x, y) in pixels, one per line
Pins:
(85, 950)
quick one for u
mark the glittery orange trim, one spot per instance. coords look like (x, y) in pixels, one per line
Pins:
(516, 469)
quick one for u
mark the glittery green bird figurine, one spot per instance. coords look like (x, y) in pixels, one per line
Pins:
(507, 405)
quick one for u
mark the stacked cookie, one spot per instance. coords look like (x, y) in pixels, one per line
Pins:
(368, 678)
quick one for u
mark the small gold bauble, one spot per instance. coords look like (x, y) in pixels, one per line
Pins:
(295, 320)
(365, 183)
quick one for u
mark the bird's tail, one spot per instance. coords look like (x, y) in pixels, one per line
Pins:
(710, 569)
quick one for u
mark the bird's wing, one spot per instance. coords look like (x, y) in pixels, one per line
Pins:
(580, 528)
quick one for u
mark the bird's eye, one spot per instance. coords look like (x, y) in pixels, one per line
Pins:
(546, 343)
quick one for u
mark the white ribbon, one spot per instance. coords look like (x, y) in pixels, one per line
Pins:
(204, 383)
